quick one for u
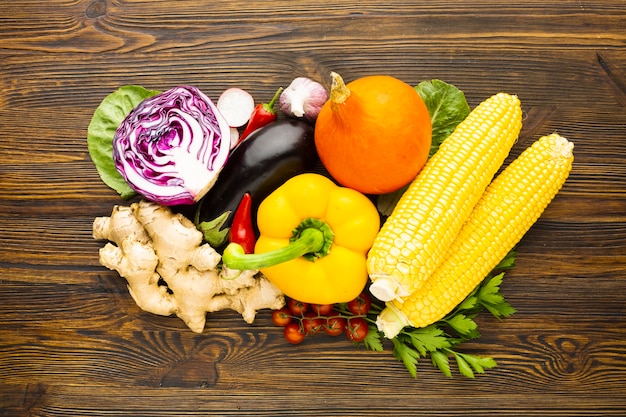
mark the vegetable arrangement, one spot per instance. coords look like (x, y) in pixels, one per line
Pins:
(369, 210)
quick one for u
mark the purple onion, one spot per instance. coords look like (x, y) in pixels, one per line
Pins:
(172, 146)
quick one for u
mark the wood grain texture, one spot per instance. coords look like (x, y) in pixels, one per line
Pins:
(72, 342)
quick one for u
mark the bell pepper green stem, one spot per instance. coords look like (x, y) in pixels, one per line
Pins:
(311, 239)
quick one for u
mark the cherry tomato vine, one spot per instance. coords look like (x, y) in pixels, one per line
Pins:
(303, 319)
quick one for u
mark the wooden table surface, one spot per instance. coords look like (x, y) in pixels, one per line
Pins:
(72, 341)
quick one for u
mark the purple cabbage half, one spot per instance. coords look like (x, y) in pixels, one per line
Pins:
(172, 146)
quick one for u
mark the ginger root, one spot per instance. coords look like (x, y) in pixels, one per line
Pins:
(169, 270)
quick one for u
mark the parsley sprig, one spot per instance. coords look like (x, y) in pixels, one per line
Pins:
(440, 340)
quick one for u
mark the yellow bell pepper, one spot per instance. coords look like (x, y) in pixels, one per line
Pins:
(314, 238)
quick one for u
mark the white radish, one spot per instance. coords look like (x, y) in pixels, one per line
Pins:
(236, 105)
(234, 137)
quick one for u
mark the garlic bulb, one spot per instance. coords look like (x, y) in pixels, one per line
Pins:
(303, 98)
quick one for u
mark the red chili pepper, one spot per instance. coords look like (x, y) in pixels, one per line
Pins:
(262, 115)
(241, 230)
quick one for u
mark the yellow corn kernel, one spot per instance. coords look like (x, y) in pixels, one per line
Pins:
(510, 206)
(413, 240)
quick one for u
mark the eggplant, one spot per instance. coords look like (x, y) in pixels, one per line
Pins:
(258, 165)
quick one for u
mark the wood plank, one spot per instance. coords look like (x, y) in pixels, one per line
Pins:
(532, 356)
(73, 400)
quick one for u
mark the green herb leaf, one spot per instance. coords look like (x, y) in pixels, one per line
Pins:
(373, 339)
(508, 262)
(408, 356)
(447, 107)
(464, 368)
(490, 292)
(428, 339)
(463, 325)
(440, 361)
(480, 363)
(468, 364)
(105, 121)
(470, 303)
(489, 297)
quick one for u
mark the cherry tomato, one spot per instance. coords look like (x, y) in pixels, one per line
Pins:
(293, 333)
(356, 329)
(312, 323)
(281, 317)
(360, 305)
(322, 309)
(334, 325)
(296, 307)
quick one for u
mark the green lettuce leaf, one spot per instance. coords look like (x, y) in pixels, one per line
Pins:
(107, 117)
(447, 107)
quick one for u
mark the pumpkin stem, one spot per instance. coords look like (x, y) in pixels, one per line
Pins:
(338, 90)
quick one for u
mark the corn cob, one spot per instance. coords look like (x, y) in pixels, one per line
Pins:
(510, 206)
(413, 240)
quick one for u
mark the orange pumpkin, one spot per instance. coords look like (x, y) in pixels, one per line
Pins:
(373, 134)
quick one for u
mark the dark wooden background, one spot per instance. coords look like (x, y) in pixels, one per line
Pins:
(72, 342)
